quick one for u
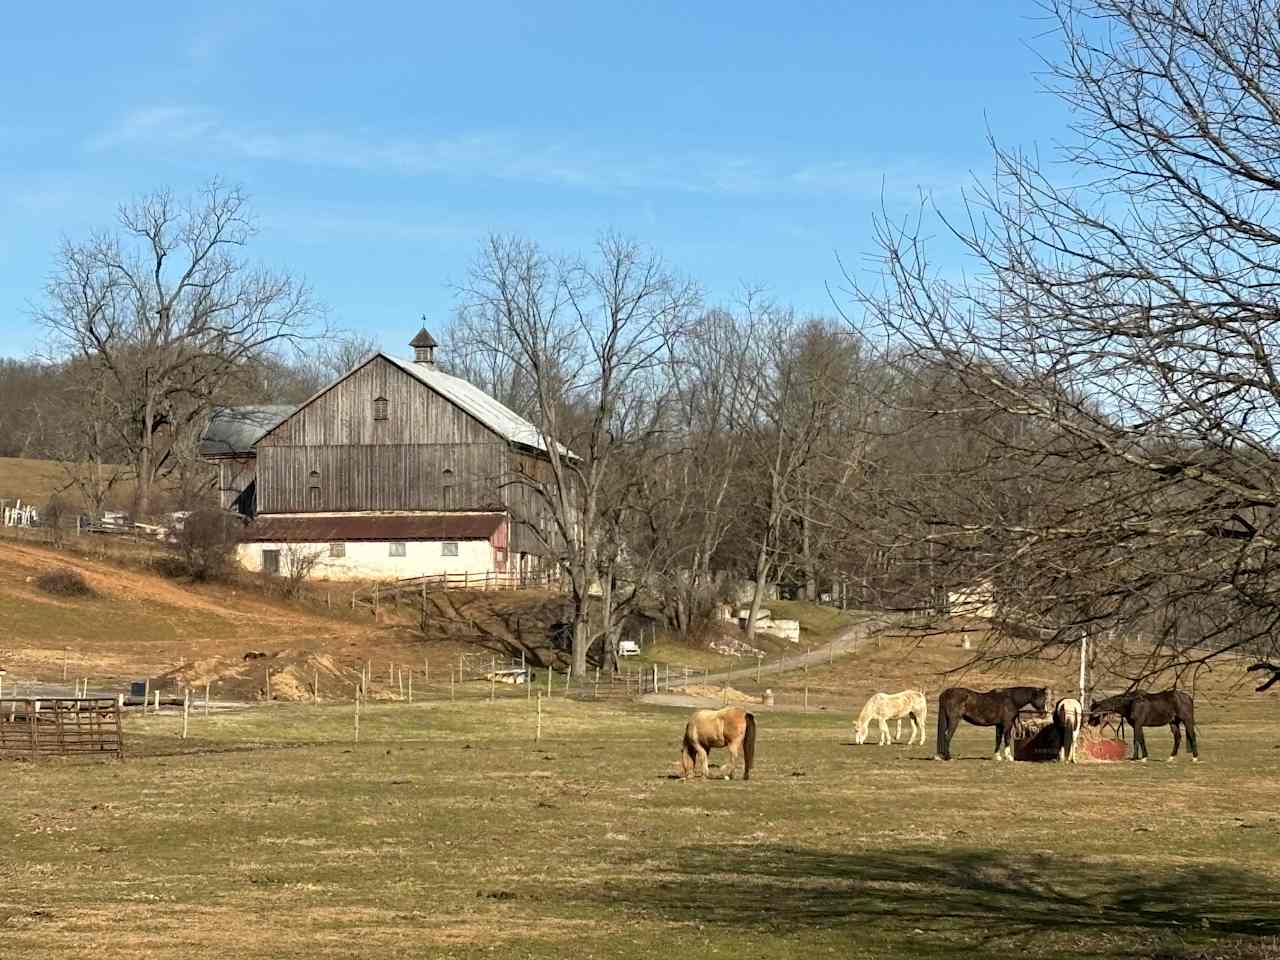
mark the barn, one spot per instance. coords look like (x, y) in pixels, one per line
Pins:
(395, 469)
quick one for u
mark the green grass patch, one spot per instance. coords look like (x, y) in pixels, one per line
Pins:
(448, 831)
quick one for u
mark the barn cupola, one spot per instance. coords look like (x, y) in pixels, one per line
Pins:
(424, 348)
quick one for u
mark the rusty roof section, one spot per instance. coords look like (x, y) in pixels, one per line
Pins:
(460, 526)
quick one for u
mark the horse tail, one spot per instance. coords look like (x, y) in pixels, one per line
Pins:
(749, 746)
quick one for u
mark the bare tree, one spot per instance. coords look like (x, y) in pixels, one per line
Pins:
(591, 336)
(797, 394)
(170, 311)
(1118, 356)
(299, 563)
(71, 422)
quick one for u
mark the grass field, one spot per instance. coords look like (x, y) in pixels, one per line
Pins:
(448, 832)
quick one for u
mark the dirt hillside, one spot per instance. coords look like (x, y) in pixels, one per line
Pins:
(143, 625)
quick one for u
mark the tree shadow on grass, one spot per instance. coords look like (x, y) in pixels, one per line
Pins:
(978, 895)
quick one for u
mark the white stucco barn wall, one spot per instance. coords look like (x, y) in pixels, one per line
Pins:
(367, 560)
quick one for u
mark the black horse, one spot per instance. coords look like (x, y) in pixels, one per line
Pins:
(1174, 707)
(995, 708)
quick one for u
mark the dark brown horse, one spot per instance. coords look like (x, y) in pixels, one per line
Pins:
(996, 708)
(1174, 707)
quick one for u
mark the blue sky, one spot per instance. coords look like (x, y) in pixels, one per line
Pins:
(750, 143)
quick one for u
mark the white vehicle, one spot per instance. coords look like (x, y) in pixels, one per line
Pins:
(628, 648)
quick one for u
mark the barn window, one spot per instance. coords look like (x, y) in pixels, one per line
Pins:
(449, 548)
(447, 496)
(395, 550)
(314, 498)
(500, 557)
(380, 408)
(337, 549)
(271, 562)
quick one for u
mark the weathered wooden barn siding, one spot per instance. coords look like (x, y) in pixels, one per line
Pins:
(234, 477)
(308, 479)
(343, 415)
(334, 447)
(528, 509)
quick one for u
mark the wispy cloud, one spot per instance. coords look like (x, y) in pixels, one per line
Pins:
(518, 158)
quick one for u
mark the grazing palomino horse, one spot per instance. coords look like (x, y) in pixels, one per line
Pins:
(996, 708)
(730, 727)
(1066, 718)
(883, 707)
(1174, 707)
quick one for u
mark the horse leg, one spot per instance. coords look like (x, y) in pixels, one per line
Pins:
(917, 728)
(1191, 739)
(1176, 729)
(735, 748)
(885, 738)
(898, 736)
(999, 740)
(1139, 743)
(945, 730)
(700, 762)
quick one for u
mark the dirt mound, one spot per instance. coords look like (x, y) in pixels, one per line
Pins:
(245, 678)
(728, 694)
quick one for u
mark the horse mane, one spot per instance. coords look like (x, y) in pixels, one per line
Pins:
(865, 717)
(749, 746)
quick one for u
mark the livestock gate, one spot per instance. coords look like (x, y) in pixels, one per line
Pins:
(61, 726)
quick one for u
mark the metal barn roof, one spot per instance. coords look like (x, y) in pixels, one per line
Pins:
(496, 416)
(232, 431)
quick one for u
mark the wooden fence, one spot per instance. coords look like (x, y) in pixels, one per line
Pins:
(61, 727)
(413, 588)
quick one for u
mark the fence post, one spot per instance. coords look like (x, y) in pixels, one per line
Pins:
(206, 699)
(156, 694)
(186, 710)
(146, 695)
(268, 683)
(537, 734)
(357, 716)
(411, 686)
(551, 672)
(493, 683)
(655, 678)
(759, 661)
(451, 682)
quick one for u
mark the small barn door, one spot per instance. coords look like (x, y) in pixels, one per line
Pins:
(271, 562)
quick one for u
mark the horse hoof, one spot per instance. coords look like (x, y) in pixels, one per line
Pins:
(1171, 759)
(1195, 759)
(1143, 760)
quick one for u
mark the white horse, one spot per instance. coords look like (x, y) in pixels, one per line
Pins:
(883, 707)
(1067, 716)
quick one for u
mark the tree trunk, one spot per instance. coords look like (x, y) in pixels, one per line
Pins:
(608, 641)
(806, 559)
(762, 575)
(142, 498)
